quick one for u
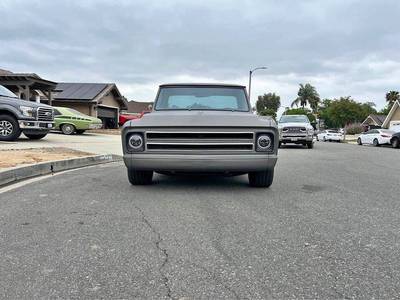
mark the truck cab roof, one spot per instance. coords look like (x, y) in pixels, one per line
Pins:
(202, 85)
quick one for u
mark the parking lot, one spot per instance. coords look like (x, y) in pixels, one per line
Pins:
(327, 228)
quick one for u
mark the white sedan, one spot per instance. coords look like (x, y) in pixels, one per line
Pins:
(375, 137)
(330, 135)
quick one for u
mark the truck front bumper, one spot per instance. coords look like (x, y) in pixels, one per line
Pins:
(296, 139)
(95, 126)
(36, 125)
(200, 163)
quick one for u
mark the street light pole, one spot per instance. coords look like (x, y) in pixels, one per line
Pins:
(250, 74)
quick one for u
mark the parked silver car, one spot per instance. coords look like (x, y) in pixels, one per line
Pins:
(206, 128)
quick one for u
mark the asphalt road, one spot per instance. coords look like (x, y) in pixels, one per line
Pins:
(328, 228)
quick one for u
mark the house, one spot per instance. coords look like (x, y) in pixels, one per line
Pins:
(135, 107)
(28, 86)
(100, 100)
(393, 117)
(374, 121)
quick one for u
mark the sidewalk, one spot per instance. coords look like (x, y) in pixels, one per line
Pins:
(351, 139)
(88, 142)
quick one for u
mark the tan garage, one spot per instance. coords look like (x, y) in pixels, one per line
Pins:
(100, 100)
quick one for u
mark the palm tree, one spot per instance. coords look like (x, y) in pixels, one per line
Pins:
(392, 97)
(307, 94)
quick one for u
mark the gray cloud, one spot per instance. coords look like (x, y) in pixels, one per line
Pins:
(342, 47)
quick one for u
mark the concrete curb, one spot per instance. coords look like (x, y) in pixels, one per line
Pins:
(14, 175)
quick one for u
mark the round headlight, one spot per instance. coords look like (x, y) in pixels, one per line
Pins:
(136, 141)
(264, 142)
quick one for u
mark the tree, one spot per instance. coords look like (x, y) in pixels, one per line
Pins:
(268, 101)
(385, 110)
(268, 104)
(344, 111)
(392, 97)
(307, 94)
(368, 108)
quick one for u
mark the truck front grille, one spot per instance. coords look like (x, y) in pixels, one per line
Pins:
(199, 140)
(294, 129)
(45, 114)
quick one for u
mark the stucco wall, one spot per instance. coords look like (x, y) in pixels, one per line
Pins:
(109, 100)
(369, 121)
(396, 115)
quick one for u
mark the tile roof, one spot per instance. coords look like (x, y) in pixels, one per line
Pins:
(378, 118)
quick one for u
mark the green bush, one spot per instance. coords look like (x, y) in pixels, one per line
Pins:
(355, 128)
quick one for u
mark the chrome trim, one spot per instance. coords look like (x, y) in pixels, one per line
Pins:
(222, 132)
(45, 114)
(36, 125)
(184, 143)
(228, 141)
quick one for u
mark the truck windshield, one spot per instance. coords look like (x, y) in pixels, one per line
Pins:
(294, 119)
(202, 98)
(6, 92)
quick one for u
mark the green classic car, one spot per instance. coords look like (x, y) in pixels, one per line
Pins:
(69, 120)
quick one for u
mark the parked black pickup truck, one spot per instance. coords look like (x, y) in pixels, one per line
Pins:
(17, 116)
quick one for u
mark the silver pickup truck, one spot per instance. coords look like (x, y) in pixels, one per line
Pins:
(296, 129)
(204, 128)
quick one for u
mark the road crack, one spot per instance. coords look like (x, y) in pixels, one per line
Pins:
(162, 250)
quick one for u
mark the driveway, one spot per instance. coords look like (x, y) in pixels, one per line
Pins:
(328, 228)
(88, 142)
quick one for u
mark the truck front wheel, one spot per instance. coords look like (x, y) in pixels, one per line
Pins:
(9, 128)
(140, 177)
(261, 179)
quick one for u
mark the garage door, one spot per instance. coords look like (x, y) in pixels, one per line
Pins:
(108, 115)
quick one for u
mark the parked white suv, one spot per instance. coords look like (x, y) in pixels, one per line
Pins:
(296, 129)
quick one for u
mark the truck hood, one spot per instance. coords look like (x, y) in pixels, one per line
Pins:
(18, 102)
(294, 124)
(201, 119)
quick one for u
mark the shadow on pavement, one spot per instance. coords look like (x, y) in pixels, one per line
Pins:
(204, 181)
(293, 146)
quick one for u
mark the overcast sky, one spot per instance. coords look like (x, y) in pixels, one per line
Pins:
(341, 47)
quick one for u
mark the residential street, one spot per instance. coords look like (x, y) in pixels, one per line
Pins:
(327, 228)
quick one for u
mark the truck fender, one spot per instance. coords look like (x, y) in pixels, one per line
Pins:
(10, 110)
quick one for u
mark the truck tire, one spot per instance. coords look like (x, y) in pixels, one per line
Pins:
(140, 177)
(9, 128)
(261, 179)
(395, 142)
(67, 129)
(310, 145)
(35, 136)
